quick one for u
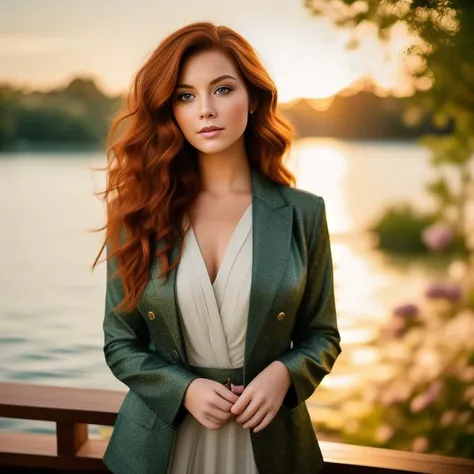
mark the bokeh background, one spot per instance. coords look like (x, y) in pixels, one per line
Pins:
(382, 97)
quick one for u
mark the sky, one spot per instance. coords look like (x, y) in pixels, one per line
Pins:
(46, 43)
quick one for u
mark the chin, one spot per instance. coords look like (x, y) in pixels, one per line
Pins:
(213, 148)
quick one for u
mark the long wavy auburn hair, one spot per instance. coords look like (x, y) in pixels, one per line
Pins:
(151, 170)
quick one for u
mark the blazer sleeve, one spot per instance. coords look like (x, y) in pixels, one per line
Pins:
(316, 338)
(160, 384)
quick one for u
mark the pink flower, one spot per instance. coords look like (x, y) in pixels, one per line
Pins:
(448, 417)
(469, 394)
(450, 291)
(384, 433)
(404, 317)
(467, 374)
(438, 236)
(420, 444)
(434, 391)
(421, 401)
(396, 328)
(408, 310)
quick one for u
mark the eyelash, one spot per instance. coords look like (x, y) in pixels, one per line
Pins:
(186, 93)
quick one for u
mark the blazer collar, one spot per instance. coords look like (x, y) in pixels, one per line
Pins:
(266, 190)
(272, 220)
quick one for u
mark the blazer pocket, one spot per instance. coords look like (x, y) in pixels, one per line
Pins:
(135, 409)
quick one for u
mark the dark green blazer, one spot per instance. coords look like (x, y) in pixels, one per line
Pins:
(292, 273)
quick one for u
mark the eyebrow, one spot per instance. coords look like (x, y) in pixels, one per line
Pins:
(214, 81)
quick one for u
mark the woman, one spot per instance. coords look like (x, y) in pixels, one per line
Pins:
(220, 313)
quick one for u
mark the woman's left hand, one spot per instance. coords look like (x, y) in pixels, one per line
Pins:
(262, 397)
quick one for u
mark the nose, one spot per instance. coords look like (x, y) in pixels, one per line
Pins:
(207, 109)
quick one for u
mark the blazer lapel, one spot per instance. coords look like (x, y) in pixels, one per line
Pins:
(272, 220)
(162, 296)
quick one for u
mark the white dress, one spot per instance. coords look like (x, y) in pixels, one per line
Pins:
(214, 321)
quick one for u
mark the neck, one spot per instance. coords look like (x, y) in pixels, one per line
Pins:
(225, 173)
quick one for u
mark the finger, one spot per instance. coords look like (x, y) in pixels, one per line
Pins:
(217, 416)
(241, 403)
(221, 404)
(255, 420)
(214, 421)
(264, 423)
(225, 393)
(249, 412)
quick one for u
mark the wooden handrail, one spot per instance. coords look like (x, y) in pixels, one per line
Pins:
(379, 460)
(45, 402)
(70, 449)
(72, 409)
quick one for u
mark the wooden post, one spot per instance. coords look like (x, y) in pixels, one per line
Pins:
(70, 437)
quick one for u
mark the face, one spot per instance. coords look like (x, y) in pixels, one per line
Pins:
(210, 92)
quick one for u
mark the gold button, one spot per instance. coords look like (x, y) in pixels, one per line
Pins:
(281, 316)
(151, 315)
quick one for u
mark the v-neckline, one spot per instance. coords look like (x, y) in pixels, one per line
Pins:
(227, 250)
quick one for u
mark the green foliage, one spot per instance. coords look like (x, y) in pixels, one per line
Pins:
(9, 115)
(77, 114)
(426, 401)
(400, 228)
(444, 51)
(53, 124)
(426, 404)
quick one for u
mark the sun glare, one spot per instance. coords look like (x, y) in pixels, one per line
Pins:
(307, 58)
(319, 71)
(313, 61)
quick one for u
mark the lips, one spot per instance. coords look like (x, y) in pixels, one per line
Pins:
(209, 129)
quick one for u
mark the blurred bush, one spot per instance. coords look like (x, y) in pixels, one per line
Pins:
(78, 114)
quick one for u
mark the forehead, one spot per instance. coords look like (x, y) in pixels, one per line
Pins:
(203, 66)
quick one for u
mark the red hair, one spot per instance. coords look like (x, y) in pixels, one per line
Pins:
(152, 176)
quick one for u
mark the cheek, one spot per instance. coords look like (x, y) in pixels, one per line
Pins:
(237, 112)
(182, 119)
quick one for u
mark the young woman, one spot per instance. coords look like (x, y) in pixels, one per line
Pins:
(220, 314)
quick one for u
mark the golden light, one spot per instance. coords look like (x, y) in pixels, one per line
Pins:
(312, 61)
(306, 57)
(307, 160)
(318, 71)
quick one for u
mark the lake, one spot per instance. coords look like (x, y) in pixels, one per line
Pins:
(51, 304)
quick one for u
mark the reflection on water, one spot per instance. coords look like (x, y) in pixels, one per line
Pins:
(321, 167)
(359, 179)
(52, 305)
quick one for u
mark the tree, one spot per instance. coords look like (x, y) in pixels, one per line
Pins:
(426, 405)
(442, 76)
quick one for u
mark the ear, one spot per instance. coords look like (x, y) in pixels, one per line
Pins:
(253, 104)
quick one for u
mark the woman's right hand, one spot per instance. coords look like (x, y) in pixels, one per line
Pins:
(209, 402)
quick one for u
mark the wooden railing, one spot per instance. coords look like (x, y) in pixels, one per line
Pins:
(71, 450)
